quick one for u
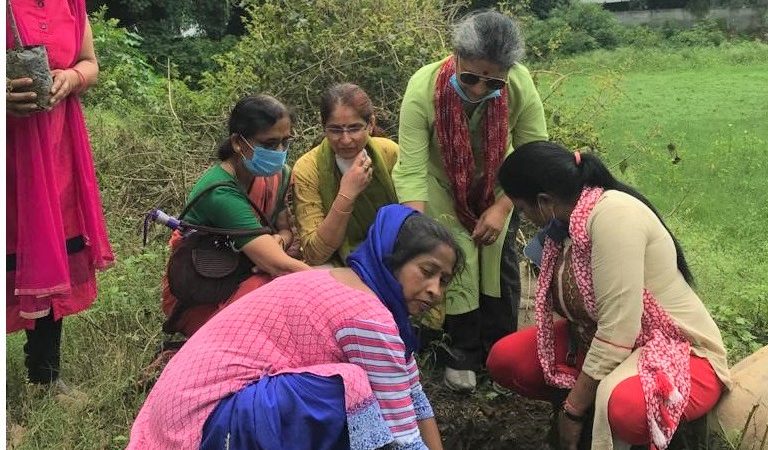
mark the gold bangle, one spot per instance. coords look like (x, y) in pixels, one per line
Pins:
(345, 196)
(340, 210)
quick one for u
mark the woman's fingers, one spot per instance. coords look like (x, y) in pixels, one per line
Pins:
(58, 80)
(21, 103)
(61, 87)
(18, 84)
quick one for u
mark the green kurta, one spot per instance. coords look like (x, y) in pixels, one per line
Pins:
(419, 174)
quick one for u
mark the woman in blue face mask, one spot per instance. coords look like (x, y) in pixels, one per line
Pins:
(247, 190)
(460, 116)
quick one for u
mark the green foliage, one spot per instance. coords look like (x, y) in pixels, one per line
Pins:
(189, 57)
(640, 36)
(168, 18)
(189, 33)
(745, 330)
(573, 28)
(297, 49)
(125, 77)
(705, 33)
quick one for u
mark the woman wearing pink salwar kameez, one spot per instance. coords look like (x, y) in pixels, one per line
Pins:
(55, 232)
(313, 360)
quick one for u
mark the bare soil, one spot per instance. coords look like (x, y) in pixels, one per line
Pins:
(486, 420)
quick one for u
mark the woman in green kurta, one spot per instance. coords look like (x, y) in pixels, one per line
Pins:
(459, 118)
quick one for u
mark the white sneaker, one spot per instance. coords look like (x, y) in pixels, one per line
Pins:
(460, 380)
(501, 390)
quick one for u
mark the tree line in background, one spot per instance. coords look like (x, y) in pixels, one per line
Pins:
(189, 32)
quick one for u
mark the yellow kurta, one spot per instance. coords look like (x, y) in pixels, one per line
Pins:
(309, 206)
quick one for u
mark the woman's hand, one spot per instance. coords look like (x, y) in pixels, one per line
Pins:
(569, 431)
(490, 224)
(64, 82)
(19, 101)
(358, 177)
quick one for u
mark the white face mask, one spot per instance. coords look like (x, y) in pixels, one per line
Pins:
(344, 164)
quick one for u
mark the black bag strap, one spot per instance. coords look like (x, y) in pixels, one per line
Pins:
(264, 219)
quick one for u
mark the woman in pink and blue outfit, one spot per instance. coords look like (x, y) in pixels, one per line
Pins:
(56, 237)
(320, 359)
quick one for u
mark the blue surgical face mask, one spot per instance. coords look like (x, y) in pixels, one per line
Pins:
(556, 230)
(457, 87)
(265, 161)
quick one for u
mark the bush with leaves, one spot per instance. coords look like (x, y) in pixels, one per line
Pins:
(640, 36)
(705, 33)
(574, 28)
(125, 76)
(295, 50)
(188, 57)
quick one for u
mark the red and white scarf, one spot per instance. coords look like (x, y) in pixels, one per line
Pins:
(452, 126)
(664, 364)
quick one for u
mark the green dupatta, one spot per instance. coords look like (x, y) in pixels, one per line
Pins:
(379, 192)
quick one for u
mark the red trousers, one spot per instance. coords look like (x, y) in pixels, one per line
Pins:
(514, 363)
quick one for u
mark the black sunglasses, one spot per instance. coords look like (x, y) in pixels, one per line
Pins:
(472, 79)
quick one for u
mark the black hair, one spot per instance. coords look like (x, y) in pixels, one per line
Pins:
(346, 94)
(353, 96)
(546, 167)
(420, 234)
(251, 115)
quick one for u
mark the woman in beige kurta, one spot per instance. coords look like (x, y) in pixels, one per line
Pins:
(637, 344)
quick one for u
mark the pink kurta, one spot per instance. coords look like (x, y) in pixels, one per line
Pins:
(52, 195)
(303, 322)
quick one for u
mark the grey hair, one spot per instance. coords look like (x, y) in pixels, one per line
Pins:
(491, 36)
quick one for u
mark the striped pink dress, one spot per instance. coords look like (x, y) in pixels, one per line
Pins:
(304, 322)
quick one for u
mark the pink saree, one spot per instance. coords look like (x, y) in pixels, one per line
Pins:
(52, 195)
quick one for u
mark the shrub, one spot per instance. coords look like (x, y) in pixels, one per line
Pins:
(705, 33)
(125, 76)
(571, 29)
(189, 57)
(640, 36)
(377, 45)
(593, 20)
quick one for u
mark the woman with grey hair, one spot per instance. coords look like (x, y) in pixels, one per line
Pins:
(459, 119)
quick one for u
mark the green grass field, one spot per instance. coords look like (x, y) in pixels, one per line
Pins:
(712, 106)
(710, 103)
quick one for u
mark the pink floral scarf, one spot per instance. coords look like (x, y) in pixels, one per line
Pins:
(663, 365)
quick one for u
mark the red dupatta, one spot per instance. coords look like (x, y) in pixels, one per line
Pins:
(470, 198)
